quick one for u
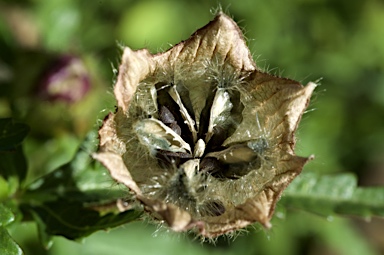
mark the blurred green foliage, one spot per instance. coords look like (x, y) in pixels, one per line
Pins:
(341, 42)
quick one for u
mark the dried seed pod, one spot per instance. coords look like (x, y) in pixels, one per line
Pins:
(203, 137)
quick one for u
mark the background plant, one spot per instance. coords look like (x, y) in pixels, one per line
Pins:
(49, 170)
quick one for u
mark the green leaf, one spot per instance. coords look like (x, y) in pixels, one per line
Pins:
(6, 215)
(13, 167)
(8, 245)
(44, 236)
(62, 201)
(11, 133)
(333, 194)
(83, 180)
(138, 240)
(73, 221)
(4, 188)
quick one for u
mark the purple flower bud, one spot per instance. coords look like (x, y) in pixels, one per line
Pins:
(65, 80)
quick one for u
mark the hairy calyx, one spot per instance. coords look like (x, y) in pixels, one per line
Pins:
(201, 136)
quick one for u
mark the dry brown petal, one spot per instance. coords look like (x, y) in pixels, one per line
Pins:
(202, 137)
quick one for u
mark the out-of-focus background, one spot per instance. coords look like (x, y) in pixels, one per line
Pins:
(57, 62)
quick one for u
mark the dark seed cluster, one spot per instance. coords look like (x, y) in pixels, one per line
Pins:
(191, 167)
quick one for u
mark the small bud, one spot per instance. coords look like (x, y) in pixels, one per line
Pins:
(65, 80)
